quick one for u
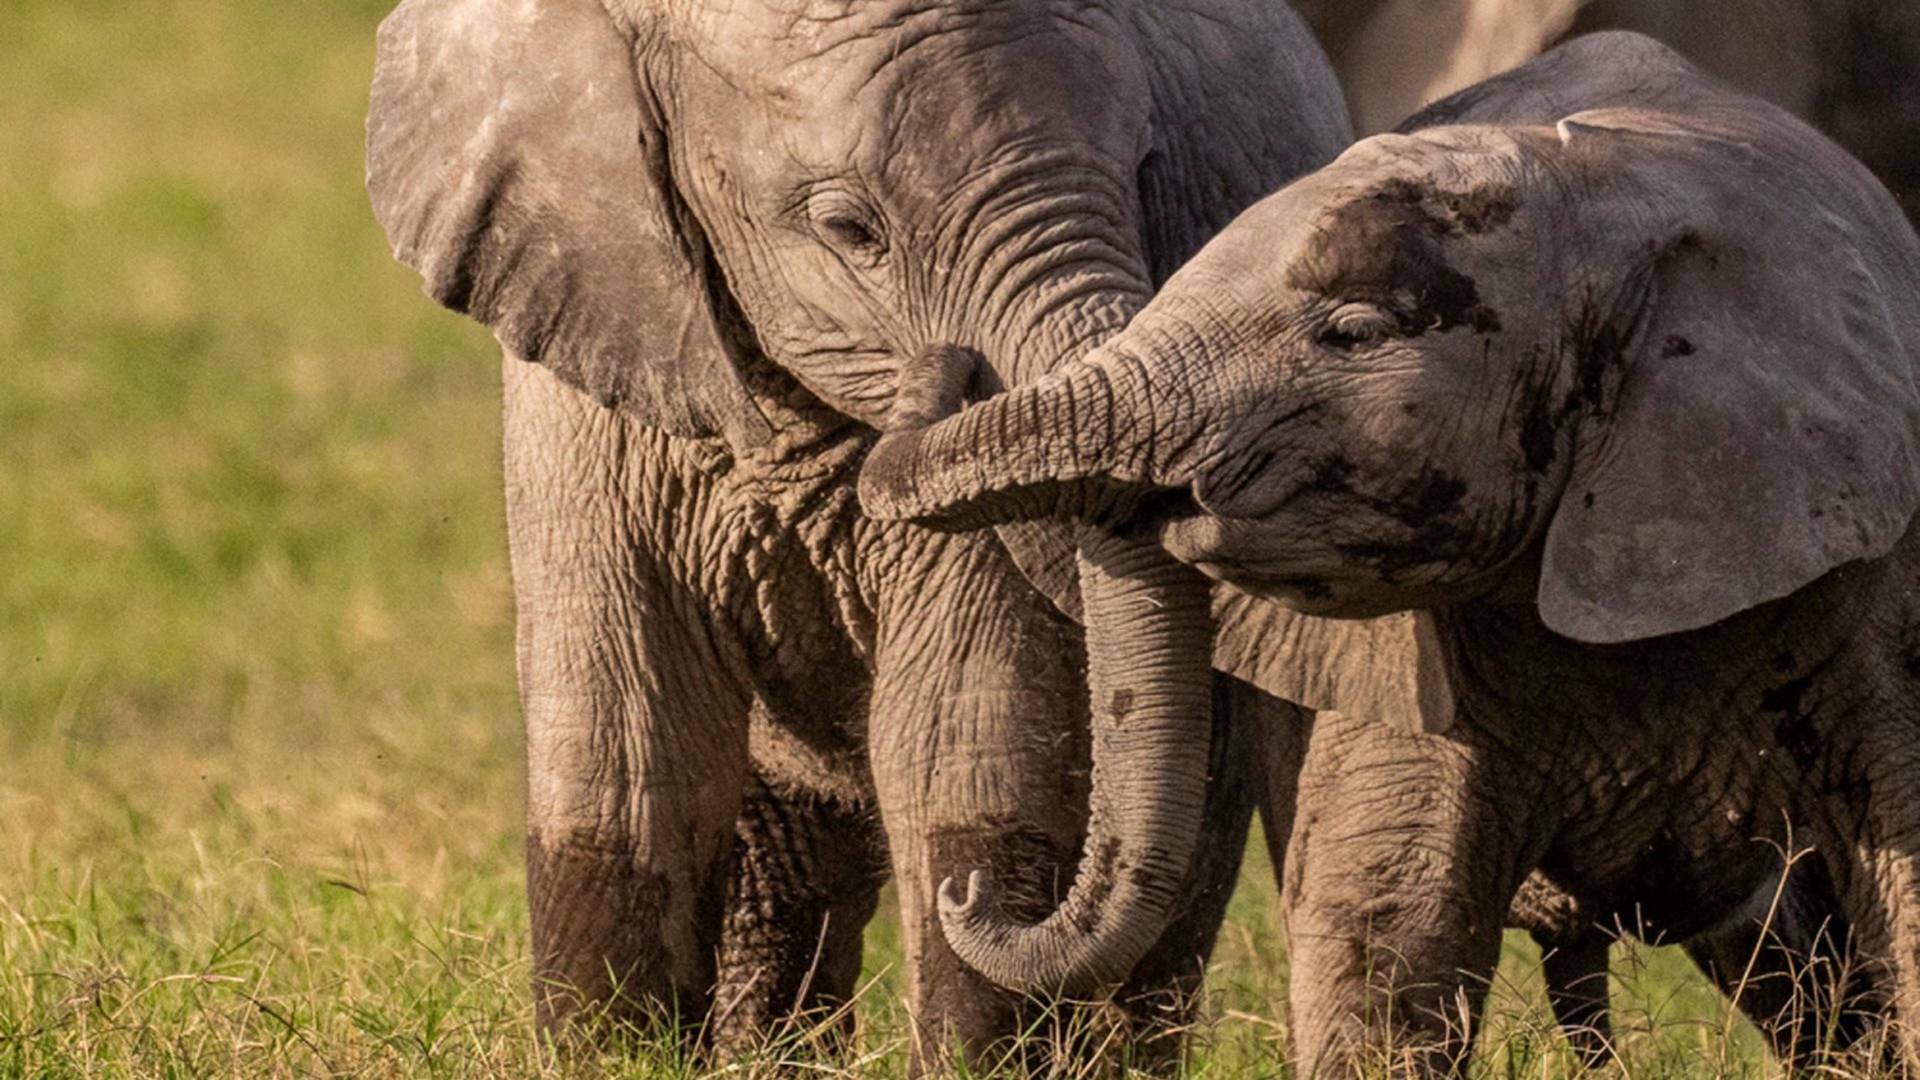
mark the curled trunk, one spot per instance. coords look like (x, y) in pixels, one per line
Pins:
(1082, 444)
(1149, 681)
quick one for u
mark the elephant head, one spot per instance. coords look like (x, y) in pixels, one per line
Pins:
(741, 221)
(1615, 340)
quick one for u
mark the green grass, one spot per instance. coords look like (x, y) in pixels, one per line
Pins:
(259, 760)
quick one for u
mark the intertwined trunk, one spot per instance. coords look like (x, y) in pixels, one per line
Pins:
(1149, 644)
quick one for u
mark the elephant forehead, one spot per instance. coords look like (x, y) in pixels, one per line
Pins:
(815, 50)
(830, 83)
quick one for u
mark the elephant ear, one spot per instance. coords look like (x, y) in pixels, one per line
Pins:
(1244, 101)
(1389, 670)
(517, 161)
(1766, 427)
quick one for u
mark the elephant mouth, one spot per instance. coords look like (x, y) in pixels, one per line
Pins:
(1292, 564)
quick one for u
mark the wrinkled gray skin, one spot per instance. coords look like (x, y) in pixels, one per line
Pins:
(1849, 67)
(1609, 373)
(709, 237)
(1786, 962)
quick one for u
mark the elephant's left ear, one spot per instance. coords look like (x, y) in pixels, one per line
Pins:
(1766, 424)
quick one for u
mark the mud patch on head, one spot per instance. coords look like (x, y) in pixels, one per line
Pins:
(1384, 247)
(1456, 213)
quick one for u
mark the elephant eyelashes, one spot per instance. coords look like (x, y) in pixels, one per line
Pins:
(1358, 324)
(847, 227)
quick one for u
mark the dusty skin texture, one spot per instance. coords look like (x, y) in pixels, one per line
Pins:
(1649, 489)
(709, 237)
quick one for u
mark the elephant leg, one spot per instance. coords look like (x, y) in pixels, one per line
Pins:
(1161, 997)
(635, 706)
(977, 736)
(806, 878)
(1575, 970)
(1883, 898)
(1400, 874)
(1573, 961)
(1794, 974)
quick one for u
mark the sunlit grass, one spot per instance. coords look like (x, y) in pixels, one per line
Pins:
(259, 762)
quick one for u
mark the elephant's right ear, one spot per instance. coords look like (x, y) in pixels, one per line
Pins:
(517, 160)
(1767, 425)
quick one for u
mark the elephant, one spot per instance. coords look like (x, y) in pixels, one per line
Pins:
(1849, 67)
(710, 239)
(1604, 374)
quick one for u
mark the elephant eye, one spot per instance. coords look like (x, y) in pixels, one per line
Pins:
(845, 226)
(1358, 323)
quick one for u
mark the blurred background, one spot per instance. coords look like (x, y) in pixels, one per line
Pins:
(260, 788)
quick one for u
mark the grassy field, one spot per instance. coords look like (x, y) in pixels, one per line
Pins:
(259, 758)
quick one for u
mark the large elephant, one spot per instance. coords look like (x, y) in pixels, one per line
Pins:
(709, 236)
(1849, 67)
(1609, 374)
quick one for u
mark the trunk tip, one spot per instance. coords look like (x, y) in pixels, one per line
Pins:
(957, 905)
(888, 486)
(934, 385)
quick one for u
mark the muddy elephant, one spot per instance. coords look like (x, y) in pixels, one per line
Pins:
(708, 237)
(1849, 67)
(1607, 373)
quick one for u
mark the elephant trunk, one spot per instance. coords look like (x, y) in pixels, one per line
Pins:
(1084, 443)
(1149, 683)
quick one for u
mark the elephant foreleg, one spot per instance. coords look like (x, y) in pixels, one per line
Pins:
(635, 712)
(1575, 969)
(1401, 870)
(806, 878)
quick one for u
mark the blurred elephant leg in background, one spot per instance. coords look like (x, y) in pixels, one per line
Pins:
(978, 745)
(636, 710)
(1575, 969)
(1162, 995)
(1792, 969)
(1880, 890)
(807, 873)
